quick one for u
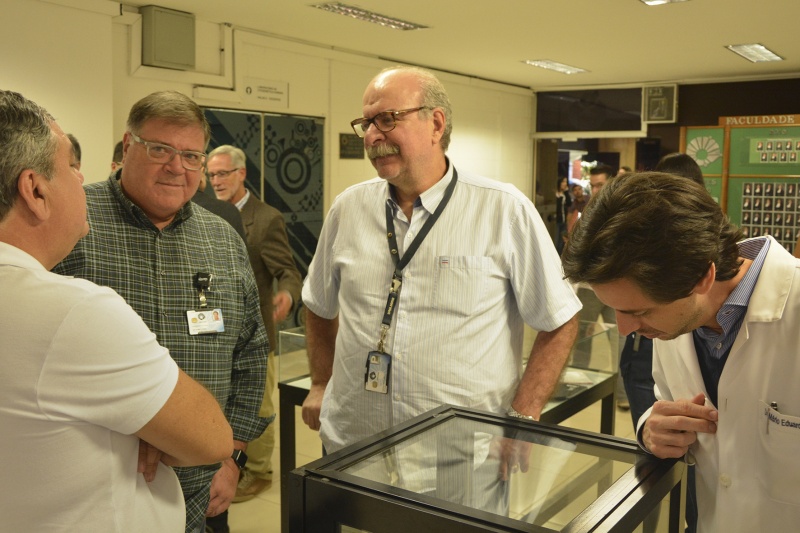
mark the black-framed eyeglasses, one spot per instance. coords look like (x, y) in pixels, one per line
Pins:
(384, 121)
(221, 173)
(163, 154)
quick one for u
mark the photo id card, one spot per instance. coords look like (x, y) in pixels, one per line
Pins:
(376, 378)
(205, 321)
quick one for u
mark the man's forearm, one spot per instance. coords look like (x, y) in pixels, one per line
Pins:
(548, 357)
(320, 346)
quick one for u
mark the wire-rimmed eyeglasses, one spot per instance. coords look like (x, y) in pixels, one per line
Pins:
(163, 154)
(384, 121)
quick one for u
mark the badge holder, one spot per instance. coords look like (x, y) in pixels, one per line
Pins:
(204, 321)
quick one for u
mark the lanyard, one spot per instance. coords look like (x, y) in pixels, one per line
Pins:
(401, 262)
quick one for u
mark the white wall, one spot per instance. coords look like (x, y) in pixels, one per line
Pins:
(85, 67)
(60, 57)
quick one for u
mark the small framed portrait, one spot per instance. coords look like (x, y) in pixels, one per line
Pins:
(767, 203)
(789, 219)
(790, 188)
(746, 217)
(767, 218)
(755, 231)
(769, 145)
(778, 234)
(790, 204)
(746, 231)
(783, 157)
(797, 145)
(778, 219)
(793, 156)
(746, 203)
(760, 145)
(758, 189)
(768, 188)
(778, 204)
(757, 203)
(773, 157)
(756, 218)
(788, 146)
(779, 189)
(779, 145)
(764, 156)
(748, 189)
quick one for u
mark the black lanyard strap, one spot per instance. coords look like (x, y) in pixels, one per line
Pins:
(401, 262)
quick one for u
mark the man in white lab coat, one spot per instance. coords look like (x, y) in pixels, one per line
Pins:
(726, 319)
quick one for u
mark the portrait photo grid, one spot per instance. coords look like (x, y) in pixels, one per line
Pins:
(771, 208)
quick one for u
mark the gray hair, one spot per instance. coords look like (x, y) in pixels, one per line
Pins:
(237, 156)
(172, 106)
(433, 95)
(27, 141)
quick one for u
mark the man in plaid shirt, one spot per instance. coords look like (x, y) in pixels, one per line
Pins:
(186, 272)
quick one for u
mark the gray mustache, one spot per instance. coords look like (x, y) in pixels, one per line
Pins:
(382, 150)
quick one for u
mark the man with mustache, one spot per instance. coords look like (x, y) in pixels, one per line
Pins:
(434, 313)
(724, 314)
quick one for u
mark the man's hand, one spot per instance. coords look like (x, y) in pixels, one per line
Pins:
(673, 426)
(149, 457)
(223, 487)
(514, 455)
(281, 305)
(312, 406)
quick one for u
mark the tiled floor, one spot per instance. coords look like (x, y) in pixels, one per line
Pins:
(262, 514)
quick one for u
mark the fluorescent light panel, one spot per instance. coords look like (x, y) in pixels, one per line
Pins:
(757, 53)
(553, 65)
(368, 16)
(660, 2)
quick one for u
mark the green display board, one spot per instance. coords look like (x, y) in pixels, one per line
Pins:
(766, 206)
(704, 145)
(773, 151)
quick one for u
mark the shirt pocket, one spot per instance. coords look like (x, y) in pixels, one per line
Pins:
(460, 284)
(777, 458)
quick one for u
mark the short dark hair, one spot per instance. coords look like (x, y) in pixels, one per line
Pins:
(657, 230)
(602, 168)
(27, 141)
(76, 146)
(681, 165)
(117, 157)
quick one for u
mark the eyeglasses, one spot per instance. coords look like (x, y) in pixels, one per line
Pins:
(385, 121)
(163, 154)
(221, 174)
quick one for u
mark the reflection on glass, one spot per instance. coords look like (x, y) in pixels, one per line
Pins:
(462, 462)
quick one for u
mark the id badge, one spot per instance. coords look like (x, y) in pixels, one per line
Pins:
(376, 378)
(205, 322)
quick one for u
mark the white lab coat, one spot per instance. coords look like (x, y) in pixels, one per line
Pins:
(748, 473)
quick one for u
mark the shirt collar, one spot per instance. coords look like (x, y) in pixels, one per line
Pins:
(240, 203)
(430, 199)
(736, 304)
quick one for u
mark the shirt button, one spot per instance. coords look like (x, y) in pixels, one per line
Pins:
(725, 480)
(719, 345)
(397, 397)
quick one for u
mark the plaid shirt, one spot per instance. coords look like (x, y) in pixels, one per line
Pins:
(153, 270)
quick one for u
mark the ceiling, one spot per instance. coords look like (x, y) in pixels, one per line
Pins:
(620, 42)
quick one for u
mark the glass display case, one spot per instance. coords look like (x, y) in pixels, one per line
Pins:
(441, 472)
(578, 388)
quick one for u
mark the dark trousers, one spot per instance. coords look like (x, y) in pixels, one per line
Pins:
(636, 367)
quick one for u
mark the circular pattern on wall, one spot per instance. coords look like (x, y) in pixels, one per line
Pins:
(293, 170)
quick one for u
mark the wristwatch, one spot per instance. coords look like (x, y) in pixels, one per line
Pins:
(240, 458)
(516, 414)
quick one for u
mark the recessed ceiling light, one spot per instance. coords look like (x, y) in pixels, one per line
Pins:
(660, 2)
(369, 16)
(552, 65)
(757, 53)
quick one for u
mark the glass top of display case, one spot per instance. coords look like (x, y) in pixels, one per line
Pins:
(499, 470)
